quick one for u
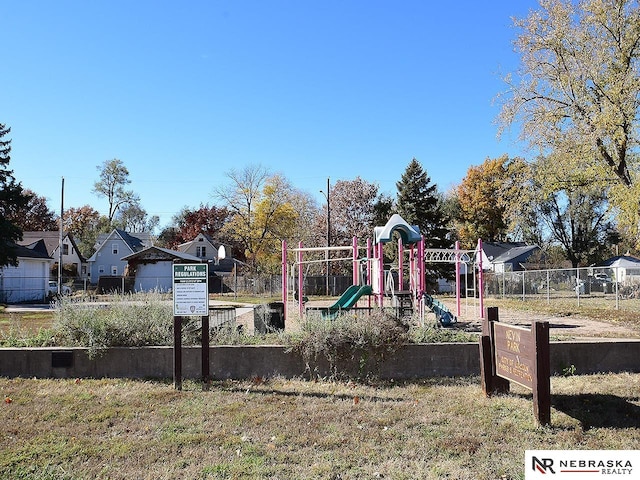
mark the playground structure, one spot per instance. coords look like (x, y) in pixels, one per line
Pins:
(375, 285)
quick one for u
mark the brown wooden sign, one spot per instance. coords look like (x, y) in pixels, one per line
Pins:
(514, 354)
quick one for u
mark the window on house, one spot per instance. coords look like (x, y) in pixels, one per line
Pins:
(65, 249)
(114, 270)
(101, 269)
(114, 249)
(201, 252)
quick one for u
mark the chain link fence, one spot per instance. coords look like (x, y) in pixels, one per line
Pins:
(581, 284)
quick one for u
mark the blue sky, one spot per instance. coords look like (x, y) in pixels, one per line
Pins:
(182, 92)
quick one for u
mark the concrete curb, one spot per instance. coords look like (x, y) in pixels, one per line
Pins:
(244, 362)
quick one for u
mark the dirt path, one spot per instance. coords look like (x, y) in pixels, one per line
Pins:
(573, 326)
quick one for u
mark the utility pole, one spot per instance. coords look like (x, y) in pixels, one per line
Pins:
(61, 240)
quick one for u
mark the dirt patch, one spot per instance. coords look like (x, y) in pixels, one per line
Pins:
(561, 326)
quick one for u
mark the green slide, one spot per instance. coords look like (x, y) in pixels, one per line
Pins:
(347, 300)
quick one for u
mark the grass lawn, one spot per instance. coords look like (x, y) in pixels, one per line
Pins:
(437, 428)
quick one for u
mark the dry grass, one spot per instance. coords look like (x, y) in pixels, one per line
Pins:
(438, 428)
(29, 322)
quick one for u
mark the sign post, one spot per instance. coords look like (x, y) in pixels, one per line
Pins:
(520, 355)
(190, 298)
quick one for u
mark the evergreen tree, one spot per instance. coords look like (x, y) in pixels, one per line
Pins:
(11, 197)
(418, 203)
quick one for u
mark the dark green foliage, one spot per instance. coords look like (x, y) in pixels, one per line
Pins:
(419, 204)
(11, 198)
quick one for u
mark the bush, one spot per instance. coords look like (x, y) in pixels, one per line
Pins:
(350, 343)
(130, 321)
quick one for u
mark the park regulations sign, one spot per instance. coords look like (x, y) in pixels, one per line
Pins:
(190, 289)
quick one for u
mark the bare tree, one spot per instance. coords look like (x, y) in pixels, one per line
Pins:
(113, 178)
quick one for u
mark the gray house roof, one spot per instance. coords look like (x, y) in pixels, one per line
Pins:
(136, 241)
(51, 240)
(625, 261)
(505, 253)
(516, 254)
(494, 250)
(35, 249)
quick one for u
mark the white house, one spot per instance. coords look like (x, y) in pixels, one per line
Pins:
(72, 259)
(204, 248)
(626, 269)
(29, 281)
(152, 268)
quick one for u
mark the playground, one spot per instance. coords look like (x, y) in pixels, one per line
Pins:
(397, 287)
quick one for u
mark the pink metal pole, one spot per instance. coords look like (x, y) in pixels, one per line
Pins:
(300, 280)
(369, 264)
(458, 311)
(480, 280)
(420, 266)
(284, 276)
(412, 269)
(355, 277)
(381, 276)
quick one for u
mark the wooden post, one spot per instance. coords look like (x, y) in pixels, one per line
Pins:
(542, 374)
(491, 383)
(205, 353)
(177, 352)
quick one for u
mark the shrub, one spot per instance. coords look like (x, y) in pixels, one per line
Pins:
(349, 343)
(130, 321)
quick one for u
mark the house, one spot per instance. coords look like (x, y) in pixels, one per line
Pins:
(204, 247)
(110, 250)
(502, 257)
(218, 255)
(626, 269)
(29, 280)
(152, 268)
(72, 259)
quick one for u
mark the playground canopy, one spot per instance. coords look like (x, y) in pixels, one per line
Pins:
(409, 234)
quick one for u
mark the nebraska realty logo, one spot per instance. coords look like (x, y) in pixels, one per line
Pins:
(582, 464)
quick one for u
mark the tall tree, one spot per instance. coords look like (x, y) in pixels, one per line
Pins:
(574, 209)
(206, 219)
(11, 197)
(262, 213)
(35, 215)
(352, 204)
(114, 176)
(418, 203)
(84, 224)
(481, 205)
(624, 203)
(133, 218)
(579, 82)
